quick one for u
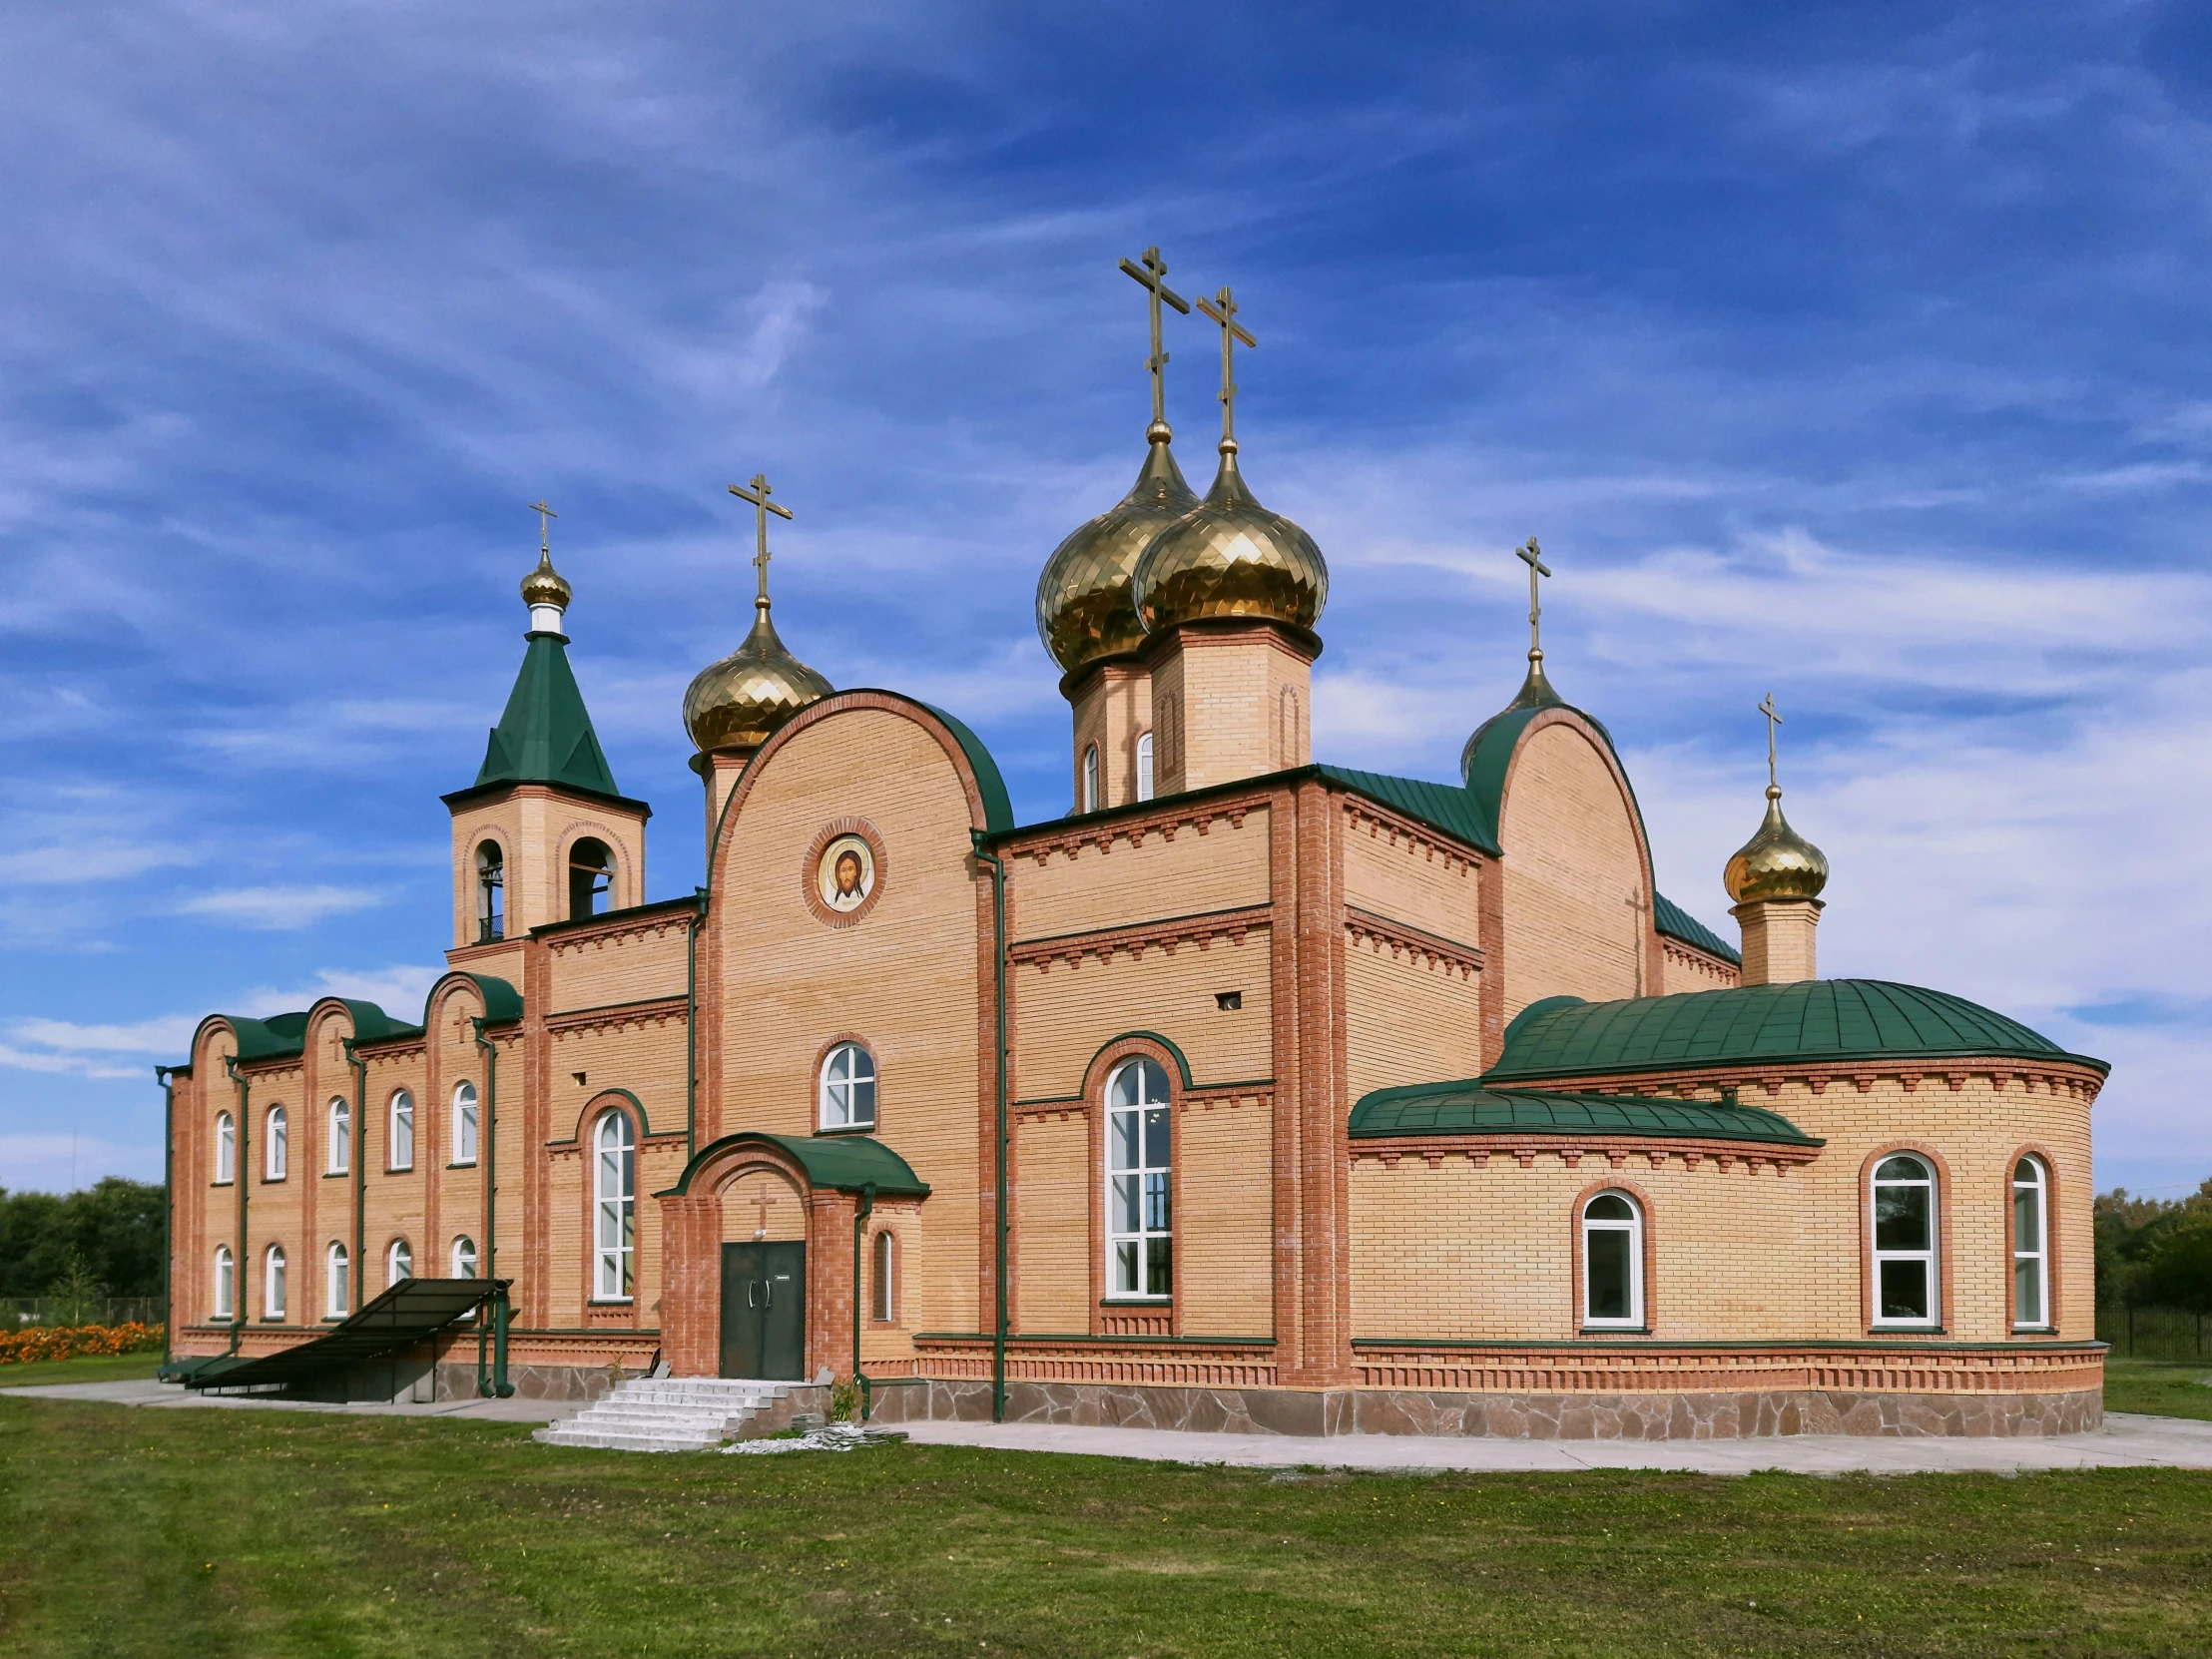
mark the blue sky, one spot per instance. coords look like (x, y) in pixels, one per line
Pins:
(1856, 353)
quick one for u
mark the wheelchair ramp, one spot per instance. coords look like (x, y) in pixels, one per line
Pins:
(411, 1311)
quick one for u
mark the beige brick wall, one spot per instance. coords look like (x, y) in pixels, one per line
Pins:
(1112, 706)
(633, 966)
(647, 1060)
(1064, 1015)
(1223, 868)
(1224, 1219)
(1411, 881)
(1052, 1206)
(1243, 701)
(1573, 874)
(1407, 1021)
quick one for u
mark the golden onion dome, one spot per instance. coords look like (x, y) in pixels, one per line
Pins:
(1230, 557)
(545, 585)
(739, 701)
(1084, 608)
(1777, 862)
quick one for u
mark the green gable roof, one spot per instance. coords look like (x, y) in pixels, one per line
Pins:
(545, 735)
(842, 1163)
(1440, 806)
(1677, 923)
(998, 812)
(1837, 1020)
(1468, 1108)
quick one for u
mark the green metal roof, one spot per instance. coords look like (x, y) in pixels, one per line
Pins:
(998, 812)
(1468, 1108)
(1677, 923)
(843, 1163)
(1440, 806)
(1837, 1020)
(545, 735)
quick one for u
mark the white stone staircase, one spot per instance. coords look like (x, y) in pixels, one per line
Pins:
(667, 1414)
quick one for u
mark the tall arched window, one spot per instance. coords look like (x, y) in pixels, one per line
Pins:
(226, 1281)
(402, 1139)
(398, 1263)
(464, 1256)
(1904, 1220)
(2030, 1246)
(273, 1283)
(880, 1280)
(464, 1123)
(1144, 765)
(341, 1136)
(617, 1207)
(1140, 1246)
(337, 1291)
(591, 875)
(273, 1148)
(1612, 1261)
(1090, 778)
(848, 1088)
(225, 1149)
(491, 883)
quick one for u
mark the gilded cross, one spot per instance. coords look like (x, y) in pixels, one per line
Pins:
(1533, 557)
(545, 529)
(1153, 274)
(762, 506)
(1766, 706)
(1223, 310)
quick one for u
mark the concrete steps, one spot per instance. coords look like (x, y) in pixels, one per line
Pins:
(671, 1413)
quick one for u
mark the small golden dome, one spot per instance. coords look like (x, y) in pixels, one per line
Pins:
(545, 585)
(741, 699)
(1777, 862)
(1084, 608)
(1230, 557)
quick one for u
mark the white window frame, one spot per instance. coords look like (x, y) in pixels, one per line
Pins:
(1928, 1255)
(468, 1123)
(1632, 1227)
(341, 1135)
(463, 1256)
(398, 1263)
(338, 1274)
(2036, 1194)
(276, 1144)
(882, 1279)
(1090, 778)
(1142, 1191)
(225, 1149)
(273, 1283)
(1144, 765)
(225, 1283)
(840, 1098)
(400, 1139)
(614, 1209)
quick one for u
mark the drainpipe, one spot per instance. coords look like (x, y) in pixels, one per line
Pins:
(498, 1385)
(865, 1208)
(168, 1208)
(360, 1166)
(999, 997)
(691, 1032)
(240, 1163)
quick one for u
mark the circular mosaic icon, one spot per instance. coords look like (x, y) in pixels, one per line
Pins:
(845, 875)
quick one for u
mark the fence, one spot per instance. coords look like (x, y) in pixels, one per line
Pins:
(18, 1312)
(2140, 1332)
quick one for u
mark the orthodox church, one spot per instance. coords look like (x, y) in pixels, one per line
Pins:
(1253, 1093)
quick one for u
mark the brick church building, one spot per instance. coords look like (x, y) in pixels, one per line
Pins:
(1255, 1093)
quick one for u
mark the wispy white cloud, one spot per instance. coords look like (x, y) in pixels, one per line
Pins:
(278, 908)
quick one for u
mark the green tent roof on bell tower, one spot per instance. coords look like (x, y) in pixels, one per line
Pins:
(545, 735)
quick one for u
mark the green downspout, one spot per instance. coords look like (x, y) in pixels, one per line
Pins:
(240, 1163)
(169, 1209)
(691, 1033)
(998, 995)
(360, 1166)
(865, 1208)
(499, 1385)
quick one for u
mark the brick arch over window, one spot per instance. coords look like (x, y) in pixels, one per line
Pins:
(1647, 1219)
(1134, 1319)
(1863, 1195)
(604, 1101)
(2055, 1311)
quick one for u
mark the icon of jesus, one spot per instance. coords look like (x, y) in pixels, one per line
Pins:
(848, 874)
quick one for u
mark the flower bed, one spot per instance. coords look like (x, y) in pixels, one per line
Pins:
(67, 1342)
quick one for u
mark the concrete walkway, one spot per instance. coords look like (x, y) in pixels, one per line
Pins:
(171, 1395)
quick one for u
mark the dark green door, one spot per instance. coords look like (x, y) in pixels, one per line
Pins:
(764, 1311)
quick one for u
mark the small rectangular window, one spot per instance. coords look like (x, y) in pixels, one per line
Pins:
(1229, 1002)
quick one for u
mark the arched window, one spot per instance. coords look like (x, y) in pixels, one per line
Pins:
(274, 1149)
(1144, 765)
(401, 1142)
(273, 1283)
(398, 1263)
(226, 1281)
(336, 1291)
(491, 882)
(1612, 1261)
(341, 1136)
(617, 1212)
(1904, 1202)
(591, 875)
(464, 1123)
(1090, 778)
(2030, 1246)
(1140, 1246)
(848, 1088)
(464, 1258)
(225, 1149)
(880, 1280)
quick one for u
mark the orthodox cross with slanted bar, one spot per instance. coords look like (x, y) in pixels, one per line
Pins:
(1153, 274)
(545, 529)
(1223, 310)
(1533, 557)
(762, 506)
(1766, 706)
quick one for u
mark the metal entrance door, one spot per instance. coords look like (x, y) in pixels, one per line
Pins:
(764, 1311)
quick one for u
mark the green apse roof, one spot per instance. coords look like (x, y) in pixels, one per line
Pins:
(839, 1163)
(1468, 1108)
(1839, 1020)
(545, 735)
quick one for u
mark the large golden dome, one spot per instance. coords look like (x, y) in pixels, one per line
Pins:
(1230, 557)
(1084, 608)
(741, 699)
(1777, 862)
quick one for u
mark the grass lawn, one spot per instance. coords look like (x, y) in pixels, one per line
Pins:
(101, 1368)
(2163, 1386)
(278, 1533)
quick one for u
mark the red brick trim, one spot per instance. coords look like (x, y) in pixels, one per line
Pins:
(1865, 1196)
(809, 873)
(2080, 1082)
(1642, 1200)
(1379, 933)
(1133, 828)
(620, 1017)
(616, 926)
(1617, 1150)
(891, 1319)
(1718, 968)
(1102, 944)
(2054, 1308)
(1379, 821)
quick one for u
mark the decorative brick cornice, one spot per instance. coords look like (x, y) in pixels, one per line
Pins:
(1647, 1152)
(1689, 957)
(1714, 1082)
(1394, 829)
(1379, 933)
(617, 1017)
(1167, 936)
(1620, 1368)
(619, 928)
(1200, 816)
(1183, 1362)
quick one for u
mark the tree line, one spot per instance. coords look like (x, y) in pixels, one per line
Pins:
(108, 1235)
(2155, 1252)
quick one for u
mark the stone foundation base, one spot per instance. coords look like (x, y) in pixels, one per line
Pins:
(1531, 1417)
